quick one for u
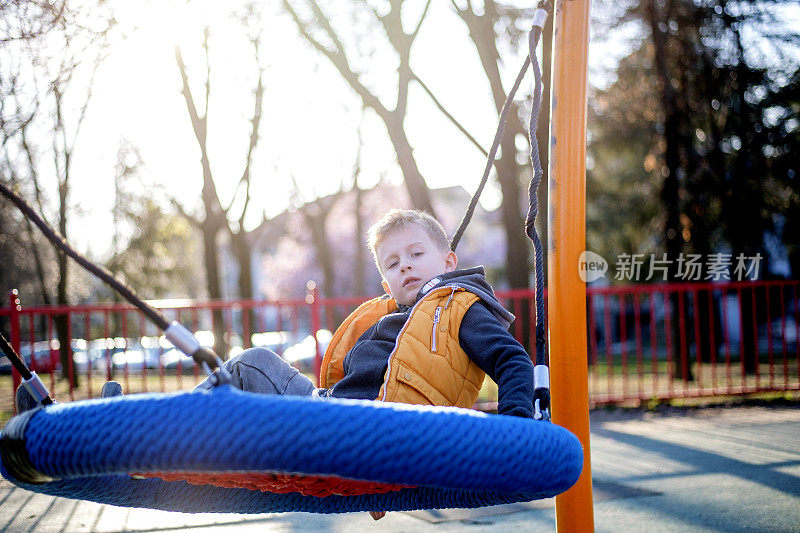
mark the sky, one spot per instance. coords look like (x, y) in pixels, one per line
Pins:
(310, 122)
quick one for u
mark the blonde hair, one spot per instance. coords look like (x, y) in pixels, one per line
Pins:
(399, 218)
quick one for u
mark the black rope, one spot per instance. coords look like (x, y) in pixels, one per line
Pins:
(536, 178)
(15, 359)
(501, 126)
(533, 201)
(19, 364)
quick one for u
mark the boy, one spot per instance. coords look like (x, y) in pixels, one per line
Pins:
(429, 340)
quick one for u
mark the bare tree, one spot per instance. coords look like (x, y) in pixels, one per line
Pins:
(316, 28)
(240, 237)
(217, 218)
(27, 20)
(65, 46)
(10, 131)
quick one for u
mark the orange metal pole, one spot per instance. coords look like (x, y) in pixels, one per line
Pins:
(567, 239)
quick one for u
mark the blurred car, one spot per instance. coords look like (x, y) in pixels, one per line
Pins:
(302, 354)
(277, 341)
(135, 358)
(784, 331)
(6, 366)
(137, 354)
(46, 356)
(42, 357)
(174, 359)
(116, 353)
(80, 355)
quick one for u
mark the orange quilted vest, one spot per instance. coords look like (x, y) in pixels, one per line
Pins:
(427, 365)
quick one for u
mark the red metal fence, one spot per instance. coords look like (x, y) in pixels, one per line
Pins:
(693, 339)
(645, 342)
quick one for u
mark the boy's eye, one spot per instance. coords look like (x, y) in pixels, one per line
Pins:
(392, 264)
(416, 254)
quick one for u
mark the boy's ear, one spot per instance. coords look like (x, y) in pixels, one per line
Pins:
(451, 261)
(386, 287)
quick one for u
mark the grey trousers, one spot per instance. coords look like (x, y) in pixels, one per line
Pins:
(263, 371)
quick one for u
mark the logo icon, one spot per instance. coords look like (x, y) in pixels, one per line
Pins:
(591, 266)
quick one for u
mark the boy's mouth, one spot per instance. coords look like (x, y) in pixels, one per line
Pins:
(409, 281)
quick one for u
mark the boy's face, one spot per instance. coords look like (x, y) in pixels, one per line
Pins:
(408, 259)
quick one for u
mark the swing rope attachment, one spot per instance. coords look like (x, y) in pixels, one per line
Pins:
(541, 370)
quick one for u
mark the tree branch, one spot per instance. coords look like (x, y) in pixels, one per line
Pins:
(208, 71)
(401, 42)
(37, 260)
(194, 220)
(462, 12)
(357, 164)
(323, 21)
(414, 34)
(198, 124)
(339, 60)
(457, 124)
(29, 230)
(98, 60)
(245, 179)
(200, 127)
(387, 23)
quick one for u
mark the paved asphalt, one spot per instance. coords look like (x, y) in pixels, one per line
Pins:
(704, 470)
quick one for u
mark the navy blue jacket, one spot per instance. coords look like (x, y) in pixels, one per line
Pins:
(483, 336)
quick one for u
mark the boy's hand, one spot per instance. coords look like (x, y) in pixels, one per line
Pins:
(377, 515)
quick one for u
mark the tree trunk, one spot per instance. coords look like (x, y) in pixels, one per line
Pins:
(673, 235)
(360, 257)
(241, 250)
(210, 229)
(417, 189)
(401, 42)
(483, 36)
(317, 222)
(62, 321)
(517, 244)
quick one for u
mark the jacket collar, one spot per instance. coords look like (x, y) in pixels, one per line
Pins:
(472, 280)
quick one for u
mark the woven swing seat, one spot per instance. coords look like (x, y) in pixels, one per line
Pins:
(403, 457)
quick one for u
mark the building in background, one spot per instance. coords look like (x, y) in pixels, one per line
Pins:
(284, 257)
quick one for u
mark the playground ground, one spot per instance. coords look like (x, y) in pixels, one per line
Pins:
(710, 469)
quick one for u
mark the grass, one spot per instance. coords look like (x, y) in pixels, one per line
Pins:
(59, 387)
(637, 390)
(617, 380)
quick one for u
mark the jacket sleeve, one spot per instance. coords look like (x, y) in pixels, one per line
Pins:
(497, 352)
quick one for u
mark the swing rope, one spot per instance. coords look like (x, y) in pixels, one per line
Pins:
(541, 370)
(541, 376)
(490, 159)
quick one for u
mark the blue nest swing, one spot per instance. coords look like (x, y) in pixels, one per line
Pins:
(449, 457)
